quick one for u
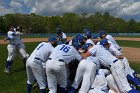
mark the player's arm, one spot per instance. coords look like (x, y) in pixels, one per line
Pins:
(19, 33)
(85, 55)
(120, 56)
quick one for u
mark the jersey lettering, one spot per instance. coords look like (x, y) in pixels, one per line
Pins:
(40, 46)
(65, 48)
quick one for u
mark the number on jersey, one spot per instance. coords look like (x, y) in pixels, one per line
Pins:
(65, 48)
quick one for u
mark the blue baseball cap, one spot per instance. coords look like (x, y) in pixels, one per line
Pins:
(75, 39)
(52, 39)
(103, 42)
(95, 36)
(102, 33)
(85, 47)
(58, 31)
(76, 44)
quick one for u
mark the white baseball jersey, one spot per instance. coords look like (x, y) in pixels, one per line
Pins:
(114, 51)
(90, 41)
(64, 35)
(11, 35)
(70, 42)
(104, 56)
(42, 51)
(65, 52)
(110, 38)
(18, 37)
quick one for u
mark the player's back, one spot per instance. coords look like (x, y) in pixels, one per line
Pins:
(42, 51)
(90, 41)
(65, 52)
(104, 56)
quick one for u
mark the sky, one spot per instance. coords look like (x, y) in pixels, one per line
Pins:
(125, 9)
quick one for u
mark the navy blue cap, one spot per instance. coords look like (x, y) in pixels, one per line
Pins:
(52, 39)
(75, 39)
(85, 47)
(103, 42)
(95, 36)
(102, 33)
(58, 31)
(76, 44)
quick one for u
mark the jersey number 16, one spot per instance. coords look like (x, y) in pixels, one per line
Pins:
(65, 48)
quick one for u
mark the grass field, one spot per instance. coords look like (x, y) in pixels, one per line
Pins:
(126, 43)
(16, 82)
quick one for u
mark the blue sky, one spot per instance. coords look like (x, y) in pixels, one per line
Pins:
(125, 9)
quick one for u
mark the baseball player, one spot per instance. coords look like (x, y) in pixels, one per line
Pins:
(113, 64)
(56, 66)
(34, 65)
(61, 36)
(85, 72)
(114, 51)
(15, 42)
(103, 35)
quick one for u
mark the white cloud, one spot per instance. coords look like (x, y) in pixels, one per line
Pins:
(119, 8)
(29, 3)
(130, 9)
(16, 6)
(4, 10)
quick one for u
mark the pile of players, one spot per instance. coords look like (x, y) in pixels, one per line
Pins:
(81, 65)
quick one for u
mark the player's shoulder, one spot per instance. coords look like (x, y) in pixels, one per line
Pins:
(10, 32)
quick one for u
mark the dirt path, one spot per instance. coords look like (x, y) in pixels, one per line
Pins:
(133, 54)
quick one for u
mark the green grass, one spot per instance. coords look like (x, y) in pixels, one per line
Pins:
(16, 82)
(126, 43)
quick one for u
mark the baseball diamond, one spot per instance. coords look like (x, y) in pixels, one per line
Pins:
(97, 59)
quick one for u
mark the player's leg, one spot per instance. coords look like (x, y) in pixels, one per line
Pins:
(61, 70)
(128, 69)
(96, 90)
(23, 52)
(79, 76)
(11, 54)
(112, 84)
(88, 77)
(118, 73)
(51, 76)
(30, 77)
(39, 74)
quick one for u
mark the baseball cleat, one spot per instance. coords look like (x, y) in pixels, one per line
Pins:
(7, 71)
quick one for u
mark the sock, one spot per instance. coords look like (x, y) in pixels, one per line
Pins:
(42, 90)
(8, 64)
(29, 88)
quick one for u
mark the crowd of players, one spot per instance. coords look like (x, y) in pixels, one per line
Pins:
(81, 65)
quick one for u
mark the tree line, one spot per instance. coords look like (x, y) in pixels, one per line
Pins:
(69, 23)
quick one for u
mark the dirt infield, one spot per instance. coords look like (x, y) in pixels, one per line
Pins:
(133, 54)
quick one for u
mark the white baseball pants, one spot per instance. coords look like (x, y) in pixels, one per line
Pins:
(35, 70)
(56, 74)
(86, 73)
(118, 72)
